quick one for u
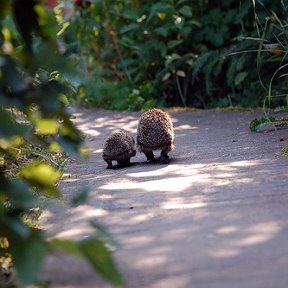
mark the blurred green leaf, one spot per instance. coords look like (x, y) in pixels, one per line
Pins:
(28, 255)
(8, 127)
(46, 20)
(186, 11)
(66, 246)
(173, 43)
(41, 175)
(46, 126)
(51, 103)
(103, 233)
(5, 8)
(162, 31)
(70, 147)
(11, 75)
(18, 193)
(240, 77)
(13, 228)
(80, 198)
(100, 258)
(32, 63)
(129, 28)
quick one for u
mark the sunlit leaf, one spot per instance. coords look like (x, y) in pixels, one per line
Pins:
(161, 15)
(55, 147)
(41, 175)
(11, 145)
(84, 151)
(46, 126)
(6, 34)
(16, 141)
(69, 130)
(64, 27)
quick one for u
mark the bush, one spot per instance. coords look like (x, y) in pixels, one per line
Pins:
(33, 114)
(169, 53)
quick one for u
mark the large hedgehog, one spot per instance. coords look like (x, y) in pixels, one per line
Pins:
(155, 132)
(120, 147)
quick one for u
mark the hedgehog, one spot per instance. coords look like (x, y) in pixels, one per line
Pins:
(155, 132)
(120, 147)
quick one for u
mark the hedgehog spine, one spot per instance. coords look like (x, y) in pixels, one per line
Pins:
(120, 147)
(155, 132)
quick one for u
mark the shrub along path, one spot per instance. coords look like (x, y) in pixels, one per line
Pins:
(216, 216)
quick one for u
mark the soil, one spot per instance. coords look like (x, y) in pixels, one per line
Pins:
(215, 217)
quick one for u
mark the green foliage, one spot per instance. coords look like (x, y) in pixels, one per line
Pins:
(41, 175)
(180, 51)
(100, 258)
(255, 124)
(284, 151)
(94, 250)
(271, 63)
(276, 33)
(268, 123)
(34, 74)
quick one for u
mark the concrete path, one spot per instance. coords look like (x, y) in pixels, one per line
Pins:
(215, 217)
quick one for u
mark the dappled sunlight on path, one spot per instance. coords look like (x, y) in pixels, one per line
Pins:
(215, 216)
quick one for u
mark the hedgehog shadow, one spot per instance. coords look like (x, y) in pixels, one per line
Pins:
(153, 165)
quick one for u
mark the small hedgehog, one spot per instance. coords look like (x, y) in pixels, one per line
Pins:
(120, 147)
(155, 132)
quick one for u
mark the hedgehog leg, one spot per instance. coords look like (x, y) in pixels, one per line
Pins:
(150, 156)
(164, 158)
(124, 162)
(109, 164)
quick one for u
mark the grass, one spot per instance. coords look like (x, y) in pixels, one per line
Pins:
(180, 109)
(284, 151)
(237, 109)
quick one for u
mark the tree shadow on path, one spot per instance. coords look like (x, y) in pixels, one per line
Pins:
(216, 216)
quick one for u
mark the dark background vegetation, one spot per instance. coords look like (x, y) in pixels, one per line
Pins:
(115, 55)
(178, 53)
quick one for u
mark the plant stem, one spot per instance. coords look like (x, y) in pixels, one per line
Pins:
(180, 91)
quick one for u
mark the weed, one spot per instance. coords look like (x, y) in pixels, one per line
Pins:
(284, 151)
